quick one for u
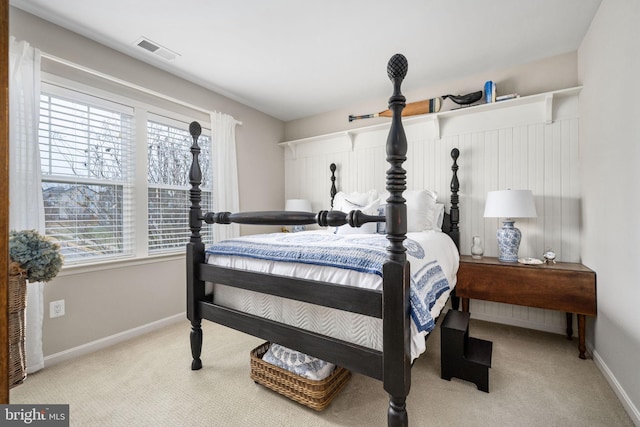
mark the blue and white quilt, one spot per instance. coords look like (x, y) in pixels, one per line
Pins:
(363, 253)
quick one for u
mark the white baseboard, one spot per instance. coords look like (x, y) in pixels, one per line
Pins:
(631, 409)
(111, 340)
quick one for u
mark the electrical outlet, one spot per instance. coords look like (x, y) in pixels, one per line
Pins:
(56, 308)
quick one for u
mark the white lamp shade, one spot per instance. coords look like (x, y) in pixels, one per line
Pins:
(297, 205)
(510, 204)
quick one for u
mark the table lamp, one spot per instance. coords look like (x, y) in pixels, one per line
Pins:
(297, 205)
(509, 204)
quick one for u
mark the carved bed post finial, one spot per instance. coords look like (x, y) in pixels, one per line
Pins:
(334, 191)
(454, 211)
(396, 156)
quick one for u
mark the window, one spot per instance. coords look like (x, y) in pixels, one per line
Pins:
(86, 159)
(169, 160)
(90, 149)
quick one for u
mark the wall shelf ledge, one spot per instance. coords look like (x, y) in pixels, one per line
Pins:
(544, 104)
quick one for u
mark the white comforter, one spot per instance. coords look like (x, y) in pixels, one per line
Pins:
(429, 253)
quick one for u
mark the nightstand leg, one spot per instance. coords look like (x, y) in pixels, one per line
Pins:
(570, 326)
(465, 304)
(581, 327)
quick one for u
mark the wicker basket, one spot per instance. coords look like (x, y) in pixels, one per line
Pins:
(17, 305)
(316, 394)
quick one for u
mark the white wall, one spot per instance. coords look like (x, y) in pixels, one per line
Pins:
(609, 66)
(521, 144)
(554, 73)
(121, 297)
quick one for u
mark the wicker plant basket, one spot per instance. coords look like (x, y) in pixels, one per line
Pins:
(17, 305)
(316, 394)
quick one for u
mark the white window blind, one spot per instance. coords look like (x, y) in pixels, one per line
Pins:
(87, 158)
(169, 160)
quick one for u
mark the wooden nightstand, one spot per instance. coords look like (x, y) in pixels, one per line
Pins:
(568, 287)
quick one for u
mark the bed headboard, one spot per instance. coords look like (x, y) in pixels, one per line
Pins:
(451, 218)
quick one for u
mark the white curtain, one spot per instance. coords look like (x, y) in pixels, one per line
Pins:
(225, 172)
(26, 209)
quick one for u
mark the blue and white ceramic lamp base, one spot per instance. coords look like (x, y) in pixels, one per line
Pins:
(508, 241)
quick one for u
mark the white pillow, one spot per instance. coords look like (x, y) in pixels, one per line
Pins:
(368, 228)
(438, 217)
(421, 209)
(354, 198)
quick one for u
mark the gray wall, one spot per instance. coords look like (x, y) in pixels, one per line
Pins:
(609, 66)
(123, 296)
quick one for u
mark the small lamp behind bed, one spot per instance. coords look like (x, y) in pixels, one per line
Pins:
(509, 204)
(297, 205)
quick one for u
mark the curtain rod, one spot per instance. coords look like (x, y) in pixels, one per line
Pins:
(126, 83)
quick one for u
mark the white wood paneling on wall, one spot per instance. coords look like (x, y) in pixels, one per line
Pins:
(514, 146)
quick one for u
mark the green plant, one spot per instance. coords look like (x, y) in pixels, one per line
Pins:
(38, 255)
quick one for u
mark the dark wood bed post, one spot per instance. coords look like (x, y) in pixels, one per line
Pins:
(396, 279)
(195, 250)
(334, 191)
(454, 212)
(454, 216)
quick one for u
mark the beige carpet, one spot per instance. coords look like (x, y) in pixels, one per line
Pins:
(536, 380)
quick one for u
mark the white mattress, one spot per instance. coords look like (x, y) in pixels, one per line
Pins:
(351, 327)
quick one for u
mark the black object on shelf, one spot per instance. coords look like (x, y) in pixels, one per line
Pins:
(467, 99)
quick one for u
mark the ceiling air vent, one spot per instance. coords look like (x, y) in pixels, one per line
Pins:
(156, 49)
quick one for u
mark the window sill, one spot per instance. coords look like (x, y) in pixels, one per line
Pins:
(120, 263)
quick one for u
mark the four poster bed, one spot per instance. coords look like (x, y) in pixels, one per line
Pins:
(399, 308)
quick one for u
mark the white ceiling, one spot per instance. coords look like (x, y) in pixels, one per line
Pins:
(296, 58)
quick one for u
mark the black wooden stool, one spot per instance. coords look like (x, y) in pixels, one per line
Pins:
(462, 356)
